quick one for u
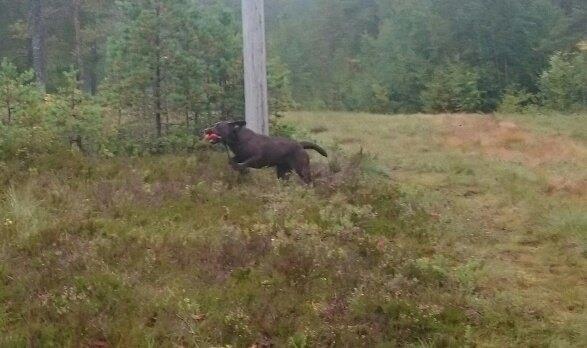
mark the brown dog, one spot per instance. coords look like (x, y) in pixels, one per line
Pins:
(252, 150)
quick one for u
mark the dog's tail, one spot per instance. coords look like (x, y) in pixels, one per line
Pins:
(307, 145)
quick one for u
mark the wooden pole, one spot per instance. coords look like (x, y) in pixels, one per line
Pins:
(256, 107)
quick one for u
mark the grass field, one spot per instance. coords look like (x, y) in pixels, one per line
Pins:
(449, 230)
(511, 195)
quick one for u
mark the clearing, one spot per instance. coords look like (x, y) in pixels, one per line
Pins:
(510, 191)
(445, 230)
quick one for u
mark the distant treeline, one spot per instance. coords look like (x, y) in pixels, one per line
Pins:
(431, 55)
(183, 57)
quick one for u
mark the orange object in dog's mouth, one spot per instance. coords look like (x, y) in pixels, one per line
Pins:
(212, 137)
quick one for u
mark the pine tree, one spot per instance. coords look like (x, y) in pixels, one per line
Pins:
(17, 93)
(186, 62)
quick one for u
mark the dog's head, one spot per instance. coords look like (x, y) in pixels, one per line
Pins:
(223, 131)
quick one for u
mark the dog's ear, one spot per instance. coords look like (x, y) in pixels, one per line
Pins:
(239, 123)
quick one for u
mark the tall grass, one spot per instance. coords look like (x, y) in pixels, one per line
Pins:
(24, 216)
(412, 241)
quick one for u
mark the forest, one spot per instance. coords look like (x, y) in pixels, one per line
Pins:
(451, 210)
(425, 55)
(390, 56)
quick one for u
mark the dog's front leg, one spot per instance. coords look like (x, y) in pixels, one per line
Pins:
(246, 164)
(235, 165)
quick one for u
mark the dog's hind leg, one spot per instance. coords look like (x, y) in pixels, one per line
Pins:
(305, 174)
(302, 167)
(283, 171)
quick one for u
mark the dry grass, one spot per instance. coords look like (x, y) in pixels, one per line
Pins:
(505, 140)
(416, 240)
(511, 193)
(179, 251)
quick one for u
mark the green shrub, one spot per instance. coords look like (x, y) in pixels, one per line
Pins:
(283, 129)
(74, 115)
(18, 93)
(367, 94)
(380, 98)
(126, 143)
(33, 126)
(564, 84)
(279, 86)
(24, 132)
(516, 101)
(26, 143)
(453, 88)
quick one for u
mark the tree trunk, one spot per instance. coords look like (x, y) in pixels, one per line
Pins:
(37, 31)
(158, 99)
(157, 85)
(188, 108)
(8, 105)
(167, 120)
(506, 71)
(256, 107)
(76, 5)
(92, 74)
(119, 116)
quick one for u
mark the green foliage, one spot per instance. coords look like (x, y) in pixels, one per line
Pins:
(280, 274)
(376, 55)
(176, 60)
(298, 341)
(516, 101)
(394, 51)
(18, 94)
(26, 142)
(564, 84)
(318, 42)
(380, 100)
(72, 115)
(39, 126)
(24, 132)
(177, 250)
(454, 88)
(279, 128)
(279, 87)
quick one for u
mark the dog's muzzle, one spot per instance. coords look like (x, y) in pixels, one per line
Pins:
(211, 136)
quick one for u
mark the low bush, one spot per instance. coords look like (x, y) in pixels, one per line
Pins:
(517, 101)
(163, 250)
